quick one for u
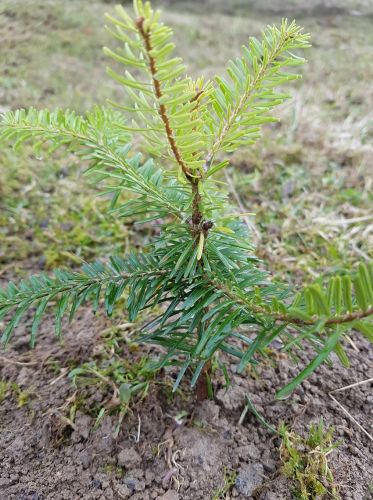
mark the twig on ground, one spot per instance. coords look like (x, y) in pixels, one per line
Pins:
(138, 429)
(18, 363)
(346, 411)
(64, 371)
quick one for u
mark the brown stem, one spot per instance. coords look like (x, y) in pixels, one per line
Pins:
(202, 391)
(288, 318)
(162, 110)
(337, 320)
(196, 211)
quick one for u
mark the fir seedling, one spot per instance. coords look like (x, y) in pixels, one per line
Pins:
(200, 271)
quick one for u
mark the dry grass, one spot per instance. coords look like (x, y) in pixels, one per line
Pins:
(309, 180)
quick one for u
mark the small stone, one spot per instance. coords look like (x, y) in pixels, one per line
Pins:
(134, 484)
(270, 495)
(64, 172)
(129, 458)
(82, 427)
(85, 459)
(169, 495)
(249, 478)
(42, 262)
(306, 385)
(149, 477)
(137, 473)
(105, 484)
(97, 484)
(248, 451)
(123, 491)
(130, 482)
(269, 465)
(232, 398)
(227, 435)
(24, 377)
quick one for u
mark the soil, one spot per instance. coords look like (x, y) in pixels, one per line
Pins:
(48, 454)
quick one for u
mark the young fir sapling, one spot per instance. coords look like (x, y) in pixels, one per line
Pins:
(201, 269)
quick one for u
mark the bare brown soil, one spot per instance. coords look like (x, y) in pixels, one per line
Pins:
(45, 455)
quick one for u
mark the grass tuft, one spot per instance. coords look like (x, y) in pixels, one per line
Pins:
(305, 461)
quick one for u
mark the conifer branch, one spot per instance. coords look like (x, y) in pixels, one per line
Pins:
(251, 86)
(86, 140)
(70, 289)
(288, 318)
(240, 104)
(145, 34)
